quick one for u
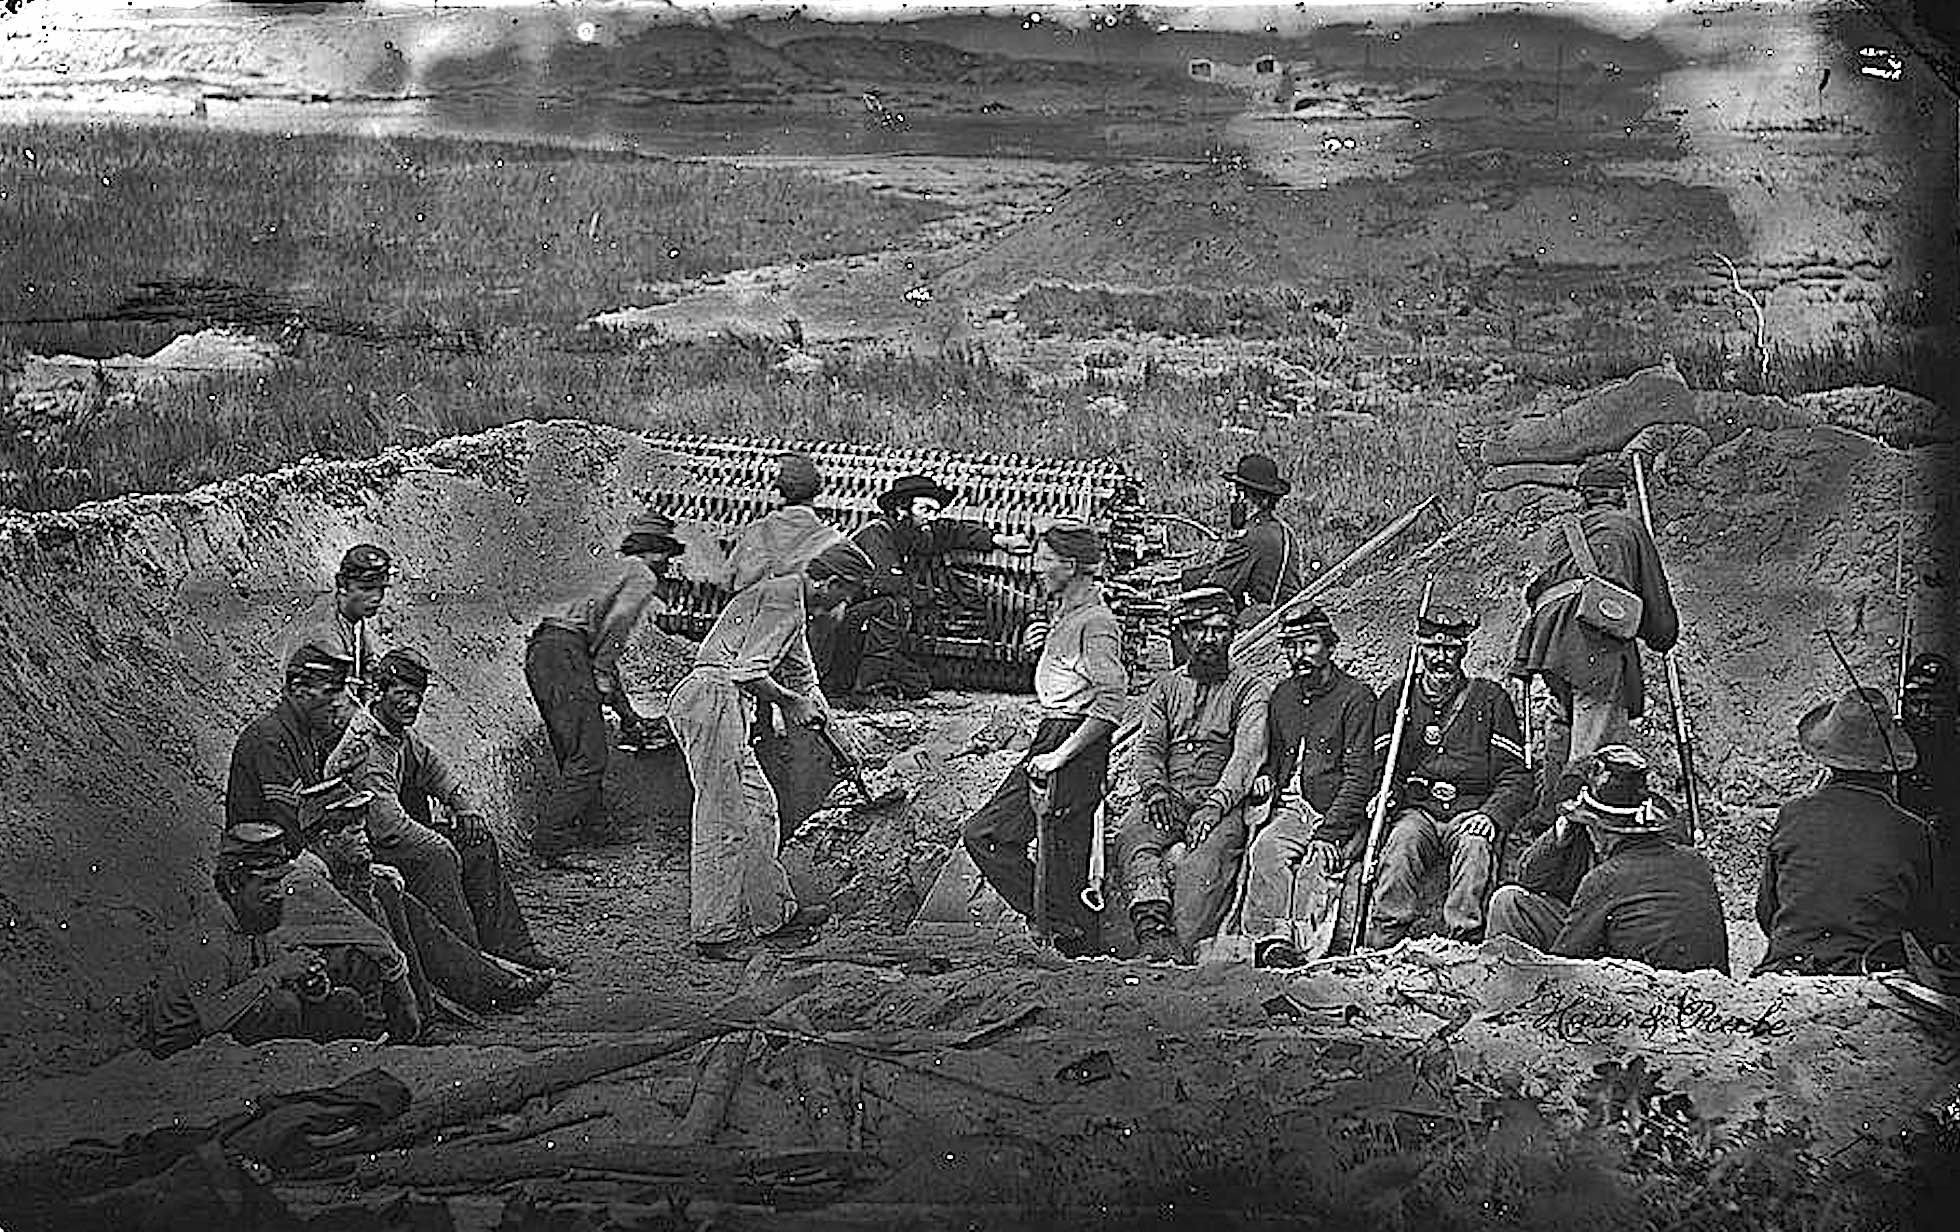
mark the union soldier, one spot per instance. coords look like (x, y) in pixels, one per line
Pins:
(571, 664)
(1260, 566)
(230, 971)
(1081, 687)
(1459, 781)
(1199, 748)
(739, 892)
(911, 592)
(1321, 766)
(286, 749)
(457, 869)
(1642, 895)
(1930, 714)
(345, 617)
(1593, 675)
(1848, 871)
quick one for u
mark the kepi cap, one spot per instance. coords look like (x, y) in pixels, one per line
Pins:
(1445, 624)
(1074, 541)
(1301, 623)
(314, 662)
(650, 532)
(255, 846)
(367, 564)
(1205, 602)
(405, 665)
(797, 477)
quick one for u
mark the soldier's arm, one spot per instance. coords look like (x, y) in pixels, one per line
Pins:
(1248, 748)
(1347, 815)
(1510, 781)
(1546, 866)
(1153, 742)
(1283, 715)
(264, 776)
(1766, 889)
(433, 774)
(1233, 569)
(1584, 934)
(961, 535)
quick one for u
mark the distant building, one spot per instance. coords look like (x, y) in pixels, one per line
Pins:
(1265, 64)
(1200, 69)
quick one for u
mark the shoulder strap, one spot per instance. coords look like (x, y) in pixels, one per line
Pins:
(1575, 538)
(1285, 557)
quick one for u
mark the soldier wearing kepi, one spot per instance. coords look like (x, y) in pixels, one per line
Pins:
(1199, 748)
(738, 889)
(571, 664)
(911, 591)
(456, 870)
(1591, 670)
(230, 973)
(1460, 779)
(286, 749)
(1644, 897)
(1320, 759)
(1081, 686)
(345, 617)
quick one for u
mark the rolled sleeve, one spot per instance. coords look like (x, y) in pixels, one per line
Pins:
(1102, 667)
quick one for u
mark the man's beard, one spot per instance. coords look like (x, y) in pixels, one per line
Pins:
(1211, 665)
(910, 535)
(1437, 681)
(1237, 514)
(1312, 674)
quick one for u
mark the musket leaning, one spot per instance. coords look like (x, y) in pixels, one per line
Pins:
(1379, 819)
(1683, 735)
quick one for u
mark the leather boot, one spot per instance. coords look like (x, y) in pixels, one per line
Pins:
(1155, 936)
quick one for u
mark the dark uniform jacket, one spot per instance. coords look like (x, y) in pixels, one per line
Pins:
(1555, 869)
(1328, 737)
(906, 570)
(274, 756)
(1847, 871)
(1260, 565)
(1650, 901)
(1552, 640)
(1472, 742)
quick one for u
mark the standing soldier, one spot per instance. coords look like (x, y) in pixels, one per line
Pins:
(780, 543)
(286, 749)
(1199, 748)
(739, 892)
(571, 664)
(911, 590)
(1081, 686)
(346, 615)
(1459, 781)
(1320, 756)
(1592, 670)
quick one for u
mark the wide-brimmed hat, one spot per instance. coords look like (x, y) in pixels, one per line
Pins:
(1857, 732)
(1258, 473)
(650, 532)
(906, 488)
(1445, 624)
(1301, 623)
(1615, 798)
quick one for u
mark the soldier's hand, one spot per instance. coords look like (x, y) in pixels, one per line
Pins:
(803, 712)
(1035, 636)
(1042, 766)
(1014, 542)
(1204, 819)
(470, 830)
(1261, 790)
(1162, 812)
(1323, 855)
(1478, 825)
(390, 874)
(296, 966)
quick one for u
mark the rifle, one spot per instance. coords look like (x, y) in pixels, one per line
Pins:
(1902, 588)
(1379, 821)
(1684, 744)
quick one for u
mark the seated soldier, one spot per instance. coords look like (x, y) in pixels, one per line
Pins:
(232, 971)
(1647, 898)
(1459, 779)
(457, 869)
(1534, 908)
(1848, 872)
(1320, 758)
(912, 592)
(334, 880)
(287, 747)
(1200, 746)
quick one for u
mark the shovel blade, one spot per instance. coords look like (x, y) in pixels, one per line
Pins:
(1229, 948)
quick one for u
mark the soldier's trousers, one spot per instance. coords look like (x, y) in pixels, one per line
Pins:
(464, 886)
(737, 886)
(281, 1014)
(559, 673)
(1533, 918)
(1416, 841)
(1198, 882)
(1578, 725)
(1285, 898)
(997, 837)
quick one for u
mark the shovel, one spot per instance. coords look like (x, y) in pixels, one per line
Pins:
(855, 773)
